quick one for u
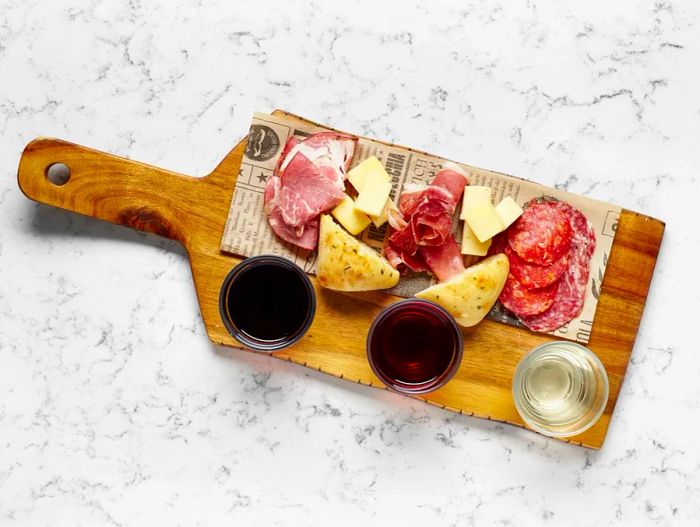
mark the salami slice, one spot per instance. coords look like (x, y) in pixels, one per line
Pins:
(527, 302)
(532, 276)
(571, 288)
(542, 234)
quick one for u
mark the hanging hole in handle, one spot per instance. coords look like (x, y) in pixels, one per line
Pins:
(58, 173)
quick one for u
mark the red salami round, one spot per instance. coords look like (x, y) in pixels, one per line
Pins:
(542, 234)
(526, 302)
(533, 276)
(571, 288)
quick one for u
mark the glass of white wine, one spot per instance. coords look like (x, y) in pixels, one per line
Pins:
(560, 388)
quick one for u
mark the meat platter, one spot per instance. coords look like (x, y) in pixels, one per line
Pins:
(542, 288)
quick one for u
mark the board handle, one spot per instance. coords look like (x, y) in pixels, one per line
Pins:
(107, 187)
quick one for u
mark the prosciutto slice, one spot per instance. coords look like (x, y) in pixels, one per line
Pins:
(432, 220)
(445, 261)
(426, 241)
(410, 198)
(402, 251)
(309, 179)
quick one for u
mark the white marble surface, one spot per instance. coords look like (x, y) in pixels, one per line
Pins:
(114, 407)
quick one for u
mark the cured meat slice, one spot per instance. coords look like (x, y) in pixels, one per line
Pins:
(532, 276)
(304, 192)
(291, 143)
(523, 302)
(445, 261)
(452, 179)
(403, 240)
(404, 263)
(402, 252)
(571, 288)
(306, 239)
(330, 152)
(309, 178)
(432, 222)
(542, 234)
(431, 217)
(409, 199)
(396, 219)
(424, 239)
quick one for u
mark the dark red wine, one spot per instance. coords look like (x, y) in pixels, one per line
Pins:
(414, 346)
(267, 302)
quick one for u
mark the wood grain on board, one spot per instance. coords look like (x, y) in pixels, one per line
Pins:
(193, 211)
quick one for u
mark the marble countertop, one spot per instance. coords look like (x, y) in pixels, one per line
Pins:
(115, 409)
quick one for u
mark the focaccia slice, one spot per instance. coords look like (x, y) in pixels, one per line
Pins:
(472, 293)
(347, 264)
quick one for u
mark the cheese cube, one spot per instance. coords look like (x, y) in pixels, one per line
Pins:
(384, 216)
(484, 221)
(473, 196)
(472, 245)
(370, 166)
(508, 210)
(373, 196)
(349, 217)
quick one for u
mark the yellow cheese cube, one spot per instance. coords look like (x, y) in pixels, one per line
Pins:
(384, 216)
(373, 195)
(348, 216)
(471, 244)
(370, 167)
(508, 210)
(484, 221)
(473, 196)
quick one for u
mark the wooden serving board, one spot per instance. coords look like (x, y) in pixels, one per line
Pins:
(193, 211)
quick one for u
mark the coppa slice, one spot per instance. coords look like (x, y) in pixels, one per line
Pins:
(469, 295)
(542, 234)
(571, 290)
(523, 301)
(347, 264)
(533, 276)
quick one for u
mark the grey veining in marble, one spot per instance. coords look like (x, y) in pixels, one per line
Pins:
(114, 407)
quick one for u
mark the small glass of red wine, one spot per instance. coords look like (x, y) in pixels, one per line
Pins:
(414, 346)
(267, 303)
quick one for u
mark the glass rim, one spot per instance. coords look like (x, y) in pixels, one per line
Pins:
(440, 380)
(248, 340)
(598, 367)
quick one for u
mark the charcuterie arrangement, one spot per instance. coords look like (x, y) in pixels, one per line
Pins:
(407, 250)
(535, 260)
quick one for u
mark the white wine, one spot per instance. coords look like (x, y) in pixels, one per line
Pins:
(560, 388)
